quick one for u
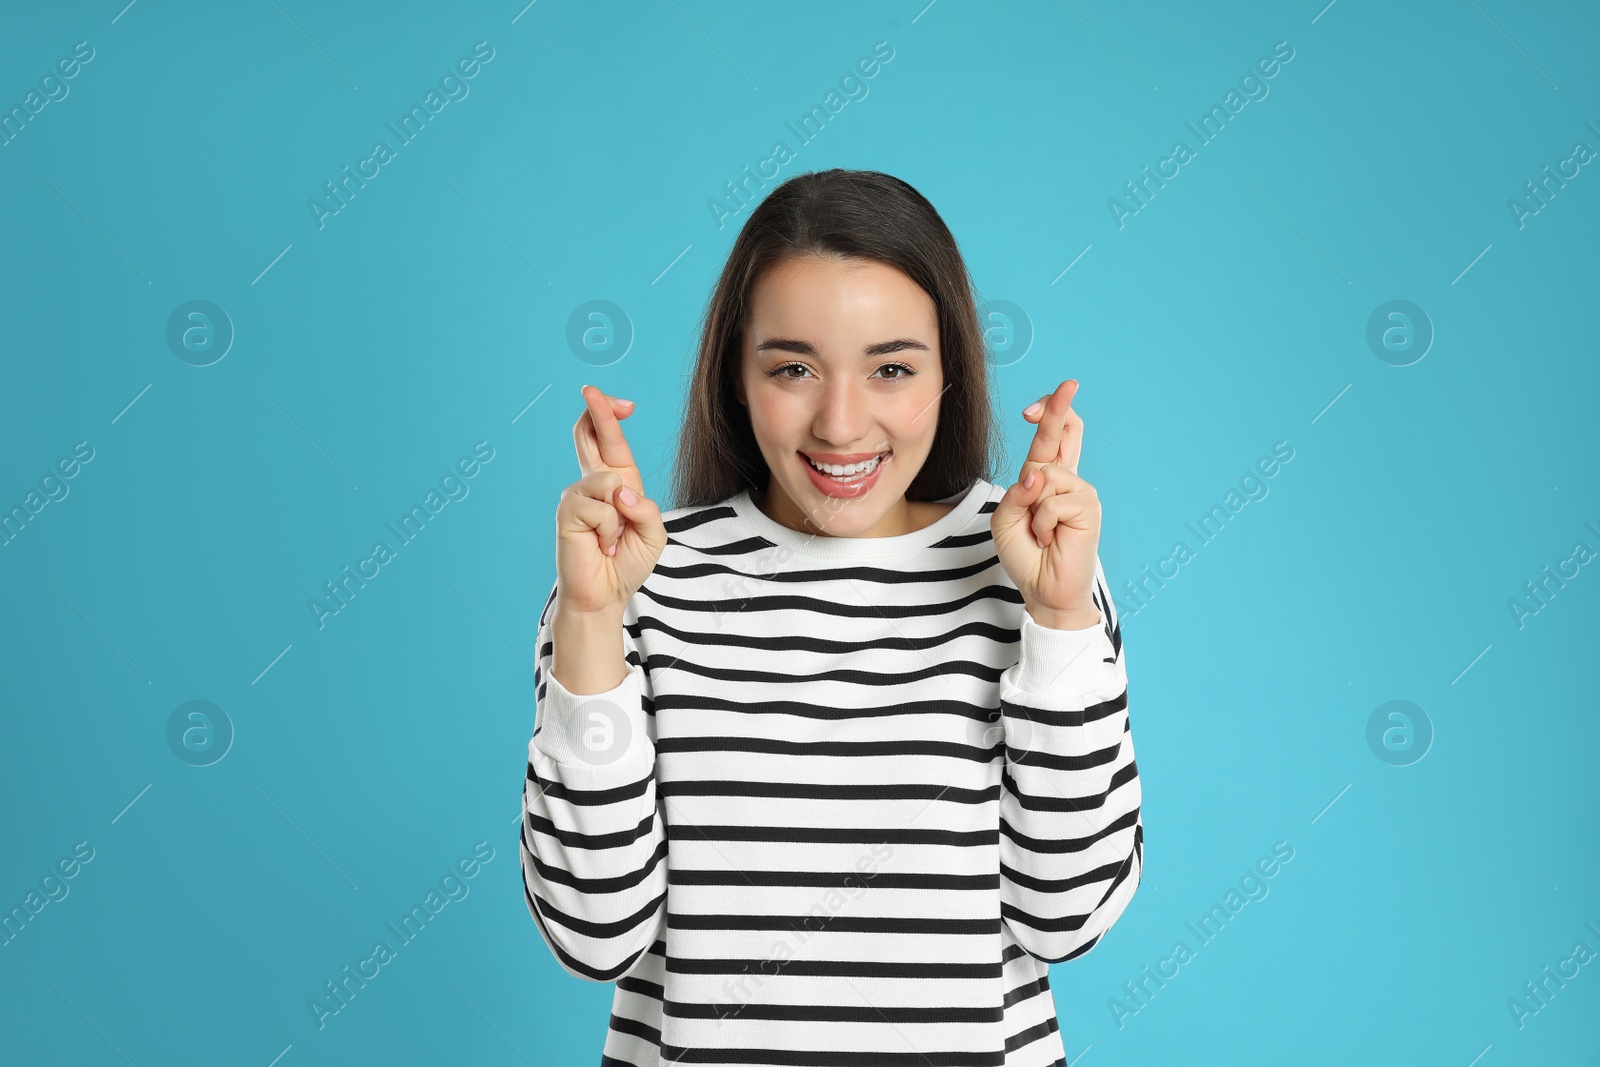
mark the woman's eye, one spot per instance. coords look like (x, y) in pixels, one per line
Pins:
(904, 370)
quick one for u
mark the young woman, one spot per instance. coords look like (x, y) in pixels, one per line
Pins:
(833, 758)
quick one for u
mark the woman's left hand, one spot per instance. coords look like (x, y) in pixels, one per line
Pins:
(1047, 533)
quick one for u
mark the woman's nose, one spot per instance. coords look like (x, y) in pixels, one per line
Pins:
(844, 413)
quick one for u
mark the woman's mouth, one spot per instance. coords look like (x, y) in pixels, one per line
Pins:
(846, 480)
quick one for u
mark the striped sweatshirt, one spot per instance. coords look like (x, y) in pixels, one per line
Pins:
(848, 803)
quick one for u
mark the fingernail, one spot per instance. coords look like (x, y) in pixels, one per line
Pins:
(622, 401)
(1027, 483)
(628, 496)
(1032, 409)
(611, 550)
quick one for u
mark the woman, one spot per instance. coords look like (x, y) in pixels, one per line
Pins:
(831, 762)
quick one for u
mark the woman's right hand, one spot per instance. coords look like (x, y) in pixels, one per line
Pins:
(605, 546)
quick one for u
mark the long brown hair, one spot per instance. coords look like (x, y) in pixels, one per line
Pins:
(860, 214)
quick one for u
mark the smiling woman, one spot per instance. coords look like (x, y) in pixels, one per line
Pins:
(837, 278)
(844, 427)
(833, 758)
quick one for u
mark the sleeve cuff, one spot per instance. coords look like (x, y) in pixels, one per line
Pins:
(1061, 666)
(594, 729)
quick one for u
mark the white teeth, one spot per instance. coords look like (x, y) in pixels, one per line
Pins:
(848, 469)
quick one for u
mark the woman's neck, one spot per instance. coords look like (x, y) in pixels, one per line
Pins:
(906, 516)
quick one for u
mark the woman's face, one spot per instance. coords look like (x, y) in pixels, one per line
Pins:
(841, 362)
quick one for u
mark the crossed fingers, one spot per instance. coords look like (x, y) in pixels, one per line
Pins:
(1058, 438)
(1064, 498)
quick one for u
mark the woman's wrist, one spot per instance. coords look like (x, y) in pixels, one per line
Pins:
(1077, 618)
(587, 655)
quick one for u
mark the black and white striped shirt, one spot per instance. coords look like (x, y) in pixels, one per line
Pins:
(847, 804)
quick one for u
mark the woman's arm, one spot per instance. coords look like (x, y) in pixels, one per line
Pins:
(594, 848)
(1071, 837)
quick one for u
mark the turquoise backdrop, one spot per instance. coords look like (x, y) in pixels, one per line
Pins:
(1370, 271)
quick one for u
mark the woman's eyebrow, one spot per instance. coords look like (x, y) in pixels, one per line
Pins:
(806, 348)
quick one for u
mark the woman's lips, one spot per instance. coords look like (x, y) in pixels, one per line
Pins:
(843, 459)
(847, 490)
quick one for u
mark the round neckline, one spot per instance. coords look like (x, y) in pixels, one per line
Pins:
(967, 503)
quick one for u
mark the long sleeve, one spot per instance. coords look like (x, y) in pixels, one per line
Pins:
(1071, 837)
(594, 842)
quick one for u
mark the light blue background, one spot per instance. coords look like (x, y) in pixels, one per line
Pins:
(1228, 314)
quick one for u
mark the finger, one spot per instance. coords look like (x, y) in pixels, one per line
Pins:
(1072, 436)
(1059, 436)
(1050, 479)
(585, 444)
(1075, 509)
(643, 518)
(585, 441)
(614, 451)
(599, 485)
(596, 514)
(1016, 505)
